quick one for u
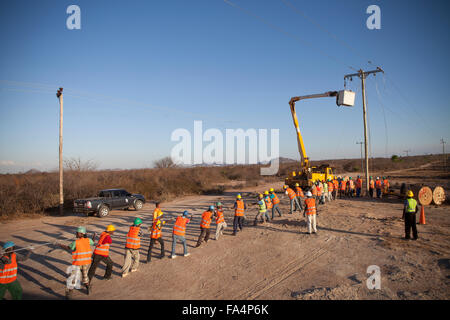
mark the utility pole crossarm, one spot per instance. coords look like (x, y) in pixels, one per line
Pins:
(378, 69)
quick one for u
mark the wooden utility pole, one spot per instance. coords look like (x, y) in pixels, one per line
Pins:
(443, 154)
(362, 163)
(61, 191)
(363, 75)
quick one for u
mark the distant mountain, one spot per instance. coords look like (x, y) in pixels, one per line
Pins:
(32, 171)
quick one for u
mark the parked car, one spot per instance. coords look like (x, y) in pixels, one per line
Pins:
(107, 200)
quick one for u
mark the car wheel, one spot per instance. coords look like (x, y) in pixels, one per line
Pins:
(103, 211)
(138, 204)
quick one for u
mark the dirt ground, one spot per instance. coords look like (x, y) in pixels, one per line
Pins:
(276, 260)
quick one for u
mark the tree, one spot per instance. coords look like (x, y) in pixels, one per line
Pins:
(76, 164)
(166, 162)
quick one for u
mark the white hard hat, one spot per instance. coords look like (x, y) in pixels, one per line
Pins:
(309, 194)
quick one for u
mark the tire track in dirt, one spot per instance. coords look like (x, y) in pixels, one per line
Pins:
(283, 274)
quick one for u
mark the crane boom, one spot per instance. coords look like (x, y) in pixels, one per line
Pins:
(301, 146)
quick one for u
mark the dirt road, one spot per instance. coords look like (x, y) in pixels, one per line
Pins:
(277, 260)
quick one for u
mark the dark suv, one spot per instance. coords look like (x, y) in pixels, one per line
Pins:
(107, 200)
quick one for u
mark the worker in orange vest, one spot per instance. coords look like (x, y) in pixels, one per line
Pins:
(220, 220)
(358, 185)
(292, 198)
(371, 187)
(205, 225)
(330, 189)
(8, 271)
(311, 212)
(335, 188)
(351, 187)
(239, 214)
(179, 233)
(275, 202)
(319, 188)
(385, 185)
(81, 257)
(378, 186)
(300, 196)
(132, 247)
(101, 253)
(156, 235)
(342, 188)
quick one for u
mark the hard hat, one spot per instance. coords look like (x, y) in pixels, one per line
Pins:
(8, 244)
(238, 196)
(137, 221)
(309, 194)
(218, 204)
(266, 192)
(271, 190)
(110, 228)
(211, 207)
(297, 185)
(378, 178)
(81, 230)
(384, 178)
(410, 194)
(260, 195)
(371, 177)
(160, 213)
(285, 186)
(185, 213)
(350, 178)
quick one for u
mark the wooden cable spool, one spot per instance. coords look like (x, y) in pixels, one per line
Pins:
(423, 194)
(438, 195)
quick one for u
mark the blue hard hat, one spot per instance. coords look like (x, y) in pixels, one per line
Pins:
(185, 213)
(211, 207)
(8, 244)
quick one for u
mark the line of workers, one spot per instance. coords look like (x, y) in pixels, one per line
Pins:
(87, 260)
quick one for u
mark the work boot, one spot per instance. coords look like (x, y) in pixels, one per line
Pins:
(255, 223)
(149, 260)
(161, 256)
(69, 294)
(125, 274)
(88, 288)
(234, 233)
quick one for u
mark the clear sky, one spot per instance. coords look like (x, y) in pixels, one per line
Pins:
(137, 70)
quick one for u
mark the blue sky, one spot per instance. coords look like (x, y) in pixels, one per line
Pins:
(138, 70)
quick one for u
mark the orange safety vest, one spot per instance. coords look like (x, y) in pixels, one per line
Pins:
(371, 184)
(299, 192)
(386, 183)
(179, 228)
(336, 184)
(102, 249)
(83, 253)
(343, 184)
(310, 205)
(358, 183)
(219, 217)
(239, 211)
(156, 230)
(378, 184)
(291, 193)
(268, 202)
(330, 186)
(133, 240)
(9, 272)
(206, 219)
(314, 191)
(275, 199)
(351, 184)
(319, 191)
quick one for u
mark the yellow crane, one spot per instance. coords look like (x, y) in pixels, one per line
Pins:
(308, 174)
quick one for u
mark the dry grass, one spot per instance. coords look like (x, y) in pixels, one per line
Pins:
(37, 193)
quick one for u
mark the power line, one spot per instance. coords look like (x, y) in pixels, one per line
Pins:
(293, 36)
